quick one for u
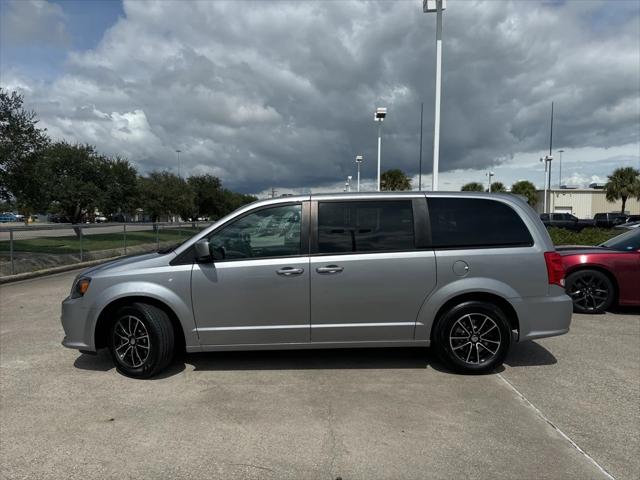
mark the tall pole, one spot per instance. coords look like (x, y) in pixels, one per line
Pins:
(358, 163)
(550, 157)
(551, 132)
(560, 173)
(436, 125)
(420, 168)
(544, 209)
(379, 150)
(179, 166)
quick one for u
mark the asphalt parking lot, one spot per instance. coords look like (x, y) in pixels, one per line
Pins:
(562, 408)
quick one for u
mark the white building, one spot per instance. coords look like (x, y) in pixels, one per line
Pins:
(584, 203)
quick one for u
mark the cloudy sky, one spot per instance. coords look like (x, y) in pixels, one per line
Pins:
(282, 94)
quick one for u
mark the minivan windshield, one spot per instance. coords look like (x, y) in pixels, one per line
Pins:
(626, 242)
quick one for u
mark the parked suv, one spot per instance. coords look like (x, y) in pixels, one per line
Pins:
(466, 273)
(565, 220)
(609, 220)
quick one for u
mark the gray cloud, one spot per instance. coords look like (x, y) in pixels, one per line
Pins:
(26, 23)
(283, 94)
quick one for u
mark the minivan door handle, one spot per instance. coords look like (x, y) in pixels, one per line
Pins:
(290, 271)
(330, 269)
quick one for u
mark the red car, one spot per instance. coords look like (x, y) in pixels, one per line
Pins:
(597, 277)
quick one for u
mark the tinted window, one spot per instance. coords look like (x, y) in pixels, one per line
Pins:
(629, 241)
(270, 232)
(465, 222)
(365, 226)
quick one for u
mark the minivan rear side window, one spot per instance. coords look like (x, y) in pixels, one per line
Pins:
(467, 222)
(365, 226)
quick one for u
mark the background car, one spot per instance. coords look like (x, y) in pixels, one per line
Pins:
(601, 276)
(627, 226)
(7, 217)
(565, 220)
(609, 220)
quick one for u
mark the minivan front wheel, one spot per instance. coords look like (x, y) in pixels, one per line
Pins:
(473, 337)
(141, 340)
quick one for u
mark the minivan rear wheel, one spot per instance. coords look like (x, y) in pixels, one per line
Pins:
(141, 340)
(473, 337)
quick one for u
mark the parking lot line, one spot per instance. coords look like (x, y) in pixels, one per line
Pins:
(555, 427)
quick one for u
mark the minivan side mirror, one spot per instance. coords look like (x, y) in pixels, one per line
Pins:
(202, 251)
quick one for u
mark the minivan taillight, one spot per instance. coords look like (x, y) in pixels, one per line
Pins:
(555, 269)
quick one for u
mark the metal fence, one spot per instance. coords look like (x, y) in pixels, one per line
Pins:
(37, 247)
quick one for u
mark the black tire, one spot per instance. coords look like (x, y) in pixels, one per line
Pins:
(138, 357)
(591, 291)
(464, 342)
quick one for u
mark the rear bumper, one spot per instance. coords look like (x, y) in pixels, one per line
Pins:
(541, 317)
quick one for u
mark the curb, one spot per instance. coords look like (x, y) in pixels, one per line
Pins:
(50, 271)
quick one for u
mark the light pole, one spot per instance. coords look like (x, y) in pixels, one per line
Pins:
(560, 166)
(437, 6)
(547, 179)
(381, 113)
(179, 166)
(348, 183)
(359, 159)
(490, 174)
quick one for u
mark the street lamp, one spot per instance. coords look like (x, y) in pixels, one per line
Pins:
(547, 178)
(381, 112)
(359, 160)
(179, 166)
(560, 174)
(348, 183)
(490, 174)
(437, 6)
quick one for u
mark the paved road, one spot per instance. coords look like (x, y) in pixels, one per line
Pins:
(317, 414)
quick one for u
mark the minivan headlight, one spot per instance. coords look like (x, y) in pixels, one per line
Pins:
(80, 287)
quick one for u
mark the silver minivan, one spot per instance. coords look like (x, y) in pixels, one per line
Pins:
(466, 273)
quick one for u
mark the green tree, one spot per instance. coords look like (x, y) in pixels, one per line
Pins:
(394, 180)
(623, 183)
(472, 187)
(122, 193)
(235, 200)
(498, 187)
(23, 175)
(164, 193)
(80, 179)
(527, 190)
(209, 198)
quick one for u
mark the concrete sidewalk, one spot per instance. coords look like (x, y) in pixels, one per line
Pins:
(314, 414)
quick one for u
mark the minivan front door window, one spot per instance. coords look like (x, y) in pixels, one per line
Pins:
(270, 232)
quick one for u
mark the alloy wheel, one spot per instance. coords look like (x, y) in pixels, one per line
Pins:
(131, 341)
(475, 338)
(589, 292)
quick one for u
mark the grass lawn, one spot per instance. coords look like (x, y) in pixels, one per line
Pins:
(588, 236)
(101, 241)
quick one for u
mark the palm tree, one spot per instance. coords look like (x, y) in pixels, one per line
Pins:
(498, 187)
(394, 180)
(623, 183)
(472, 187)
(527, 190)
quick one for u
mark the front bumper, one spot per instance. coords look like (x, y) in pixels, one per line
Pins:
(542, 317)
(78, 329)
